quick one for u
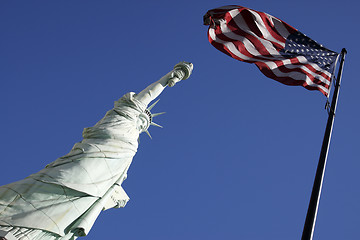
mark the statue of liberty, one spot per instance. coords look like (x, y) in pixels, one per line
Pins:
(62, 201)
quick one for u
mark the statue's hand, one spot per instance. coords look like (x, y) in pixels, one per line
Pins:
(181, 71)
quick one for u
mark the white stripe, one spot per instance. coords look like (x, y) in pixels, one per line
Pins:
(274, 68)
(240, 22)
(303, 60)
(276, 56)
(289, 65)
(229, 45)
(294, 75)
(261, 25)
(279, 26)
(249, 46)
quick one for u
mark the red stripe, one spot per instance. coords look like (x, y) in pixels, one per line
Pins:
(324, 75)
(290, 81)
(248, 17)
(250, 21)
(270, 27)
(260, 60)
(295, 61)
(220, 47)
(224, 49)
(287, 80)
(314, 79)
(238, 30)
(240, 46)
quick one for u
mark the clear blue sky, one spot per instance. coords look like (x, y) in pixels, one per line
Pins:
(238, 153)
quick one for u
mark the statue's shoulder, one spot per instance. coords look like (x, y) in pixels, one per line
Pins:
(129, 100)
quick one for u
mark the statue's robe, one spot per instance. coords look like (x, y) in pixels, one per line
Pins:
(63, 200)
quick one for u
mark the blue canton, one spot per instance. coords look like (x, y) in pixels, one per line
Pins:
(298, 44)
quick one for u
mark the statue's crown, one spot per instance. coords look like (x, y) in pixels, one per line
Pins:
(149, 116)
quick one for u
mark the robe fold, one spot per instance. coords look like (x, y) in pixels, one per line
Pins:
(63, 200)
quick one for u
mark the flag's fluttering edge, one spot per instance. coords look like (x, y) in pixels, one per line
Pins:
(280, 51)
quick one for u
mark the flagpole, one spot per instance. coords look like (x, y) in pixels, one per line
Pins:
(310, 220)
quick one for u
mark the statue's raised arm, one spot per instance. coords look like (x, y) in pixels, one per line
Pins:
(62, 201)
(180, 72)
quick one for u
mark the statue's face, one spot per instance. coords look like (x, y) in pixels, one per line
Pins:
(143, 122)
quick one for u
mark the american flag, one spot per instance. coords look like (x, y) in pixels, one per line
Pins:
(280, 51)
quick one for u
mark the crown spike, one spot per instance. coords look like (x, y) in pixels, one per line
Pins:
(157, 114)
(149, 108)
(157, 125)
(147, 132)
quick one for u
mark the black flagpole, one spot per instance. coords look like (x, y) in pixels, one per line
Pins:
(316, 191)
